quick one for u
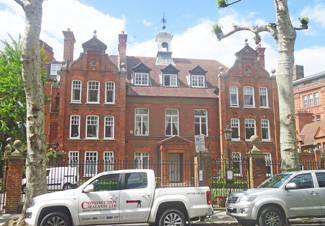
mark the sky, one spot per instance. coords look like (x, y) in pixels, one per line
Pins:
(190, 23)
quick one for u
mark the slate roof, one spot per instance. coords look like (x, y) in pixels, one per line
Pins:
(184, 65)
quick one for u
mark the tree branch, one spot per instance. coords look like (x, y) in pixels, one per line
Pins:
(303, 27)
(255, 29)
(20, 2)
(223, 4)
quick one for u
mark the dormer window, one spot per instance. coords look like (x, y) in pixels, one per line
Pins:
(141, 76)
(198, 81)
(197, 77)
(141, 79)
(170, 80)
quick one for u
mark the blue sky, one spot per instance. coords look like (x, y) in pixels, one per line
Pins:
(189, 21)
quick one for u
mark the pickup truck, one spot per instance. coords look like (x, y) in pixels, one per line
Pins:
(121, 197)
(280, 198)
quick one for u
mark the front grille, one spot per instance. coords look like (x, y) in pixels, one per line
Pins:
(232, 199)
(232, 210)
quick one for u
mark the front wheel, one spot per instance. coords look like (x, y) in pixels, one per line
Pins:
(172, 217)
(271, 216)
(57, 219)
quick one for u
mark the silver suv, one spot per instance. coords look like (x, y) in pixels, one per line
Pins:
(281, 197)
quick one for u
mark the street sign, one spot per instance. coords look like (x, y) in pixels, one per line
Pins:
(199, 143)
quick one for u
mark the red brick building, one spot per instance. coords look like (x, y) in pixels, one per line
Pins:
(150, 108)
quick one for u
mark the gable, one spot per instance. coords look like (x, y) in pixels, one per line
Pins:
(247, 51)
(198, 71)
(141, 67)
(320, 133)
(174, 139)
(170, 69)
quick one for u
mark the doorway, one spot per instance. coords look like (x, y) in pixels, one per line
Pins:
(174, 166)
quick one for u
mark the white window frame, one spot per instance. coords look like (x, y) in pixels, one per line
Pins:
(55, 68)
(91, 86)
(110, 123)
(92, 157)
(174, 117)
(74, 87)
(316, 98)
(305, 101)
(198, 81)
(141, 160)
(141, 79)
(311, 100)
(265, 124)
(73, 158)
(236, 158)
(92, 117)
(235, 123)
(74, 120)
(108, 158)
(200, 117)
(142, 122)
(233, 90)
(268, 163)
(264, 93)
(249, 122)
(172, 80)
(110, 87)
(249, 91)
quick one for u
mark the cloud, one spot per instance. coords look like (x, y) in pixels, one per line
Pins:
(311, 58)
(146, 23)
(80, 18)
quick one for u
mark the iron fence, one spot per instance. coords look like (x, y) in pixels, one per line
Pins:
(65, 174)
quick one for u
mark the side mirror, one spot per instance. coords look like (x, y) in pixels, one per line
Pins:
(291, 185)
(89, 188)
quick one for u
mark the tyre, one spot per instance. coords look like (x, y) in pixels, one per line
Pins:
(246, 222)
(172, 217)
(57, 219)
(271, 216)
(67, 187)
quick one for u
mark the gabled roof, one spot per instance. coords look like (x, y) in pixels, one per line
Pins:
(170, 69)
(246, 51)
(183, 65)
(94, 44)
(198, 71)
(310, 131)
(141, 67)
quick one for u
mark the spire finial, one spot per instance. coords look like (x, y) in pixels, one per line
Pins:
(95, 33)
(246, 42)
(164, 20)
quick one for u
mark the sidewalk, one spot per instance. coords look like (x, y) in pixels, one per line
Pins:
(4, 217)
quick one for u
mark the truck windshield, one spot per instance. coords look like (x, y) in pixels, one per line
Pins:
(275, 181)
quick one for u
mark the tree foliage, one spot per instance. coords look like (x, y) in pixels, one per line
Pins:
(12, 94)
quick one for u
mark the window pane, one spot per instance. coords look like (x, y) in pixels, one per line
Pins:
(92, 126)
(200, 122)
(108, 161)
(250, 128)
(93, 91)
(248, 96)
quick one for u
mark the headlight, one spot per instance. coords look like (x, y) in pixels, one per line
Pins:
(249, 198)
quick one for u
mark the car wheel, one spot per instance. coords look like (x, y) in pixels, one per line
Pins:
(173, 217)
(56, 218)
(271, 216)
(246, 222)
(67, 187)
(23, 189)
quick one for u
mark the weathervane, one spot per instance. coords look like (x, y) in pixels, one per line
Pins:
(164, 20)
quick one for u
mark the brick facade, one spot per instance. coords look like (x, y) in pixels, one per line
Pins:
(143, 129)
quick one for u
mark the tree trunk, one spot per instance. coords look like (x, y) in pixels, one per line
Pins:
(31, 73)
(286, 41)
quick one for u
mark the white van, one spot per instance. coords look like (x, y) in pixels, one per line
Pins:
(59, 178)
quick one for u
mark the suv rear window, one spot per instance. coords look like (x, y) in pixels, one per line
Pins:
(135, 180)
(321, 179)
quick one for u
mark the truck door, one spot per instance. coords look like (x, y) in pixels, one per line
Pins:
(136, 197)
(304, 200)
(101, 206)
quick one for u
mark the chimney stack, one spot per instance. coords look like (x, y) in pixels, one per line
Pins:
(261, 56)
(69, 41)
(298, 72)
(122, 38)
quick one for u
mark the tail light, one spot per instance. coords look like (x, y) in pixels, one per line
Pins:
(209, 198)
